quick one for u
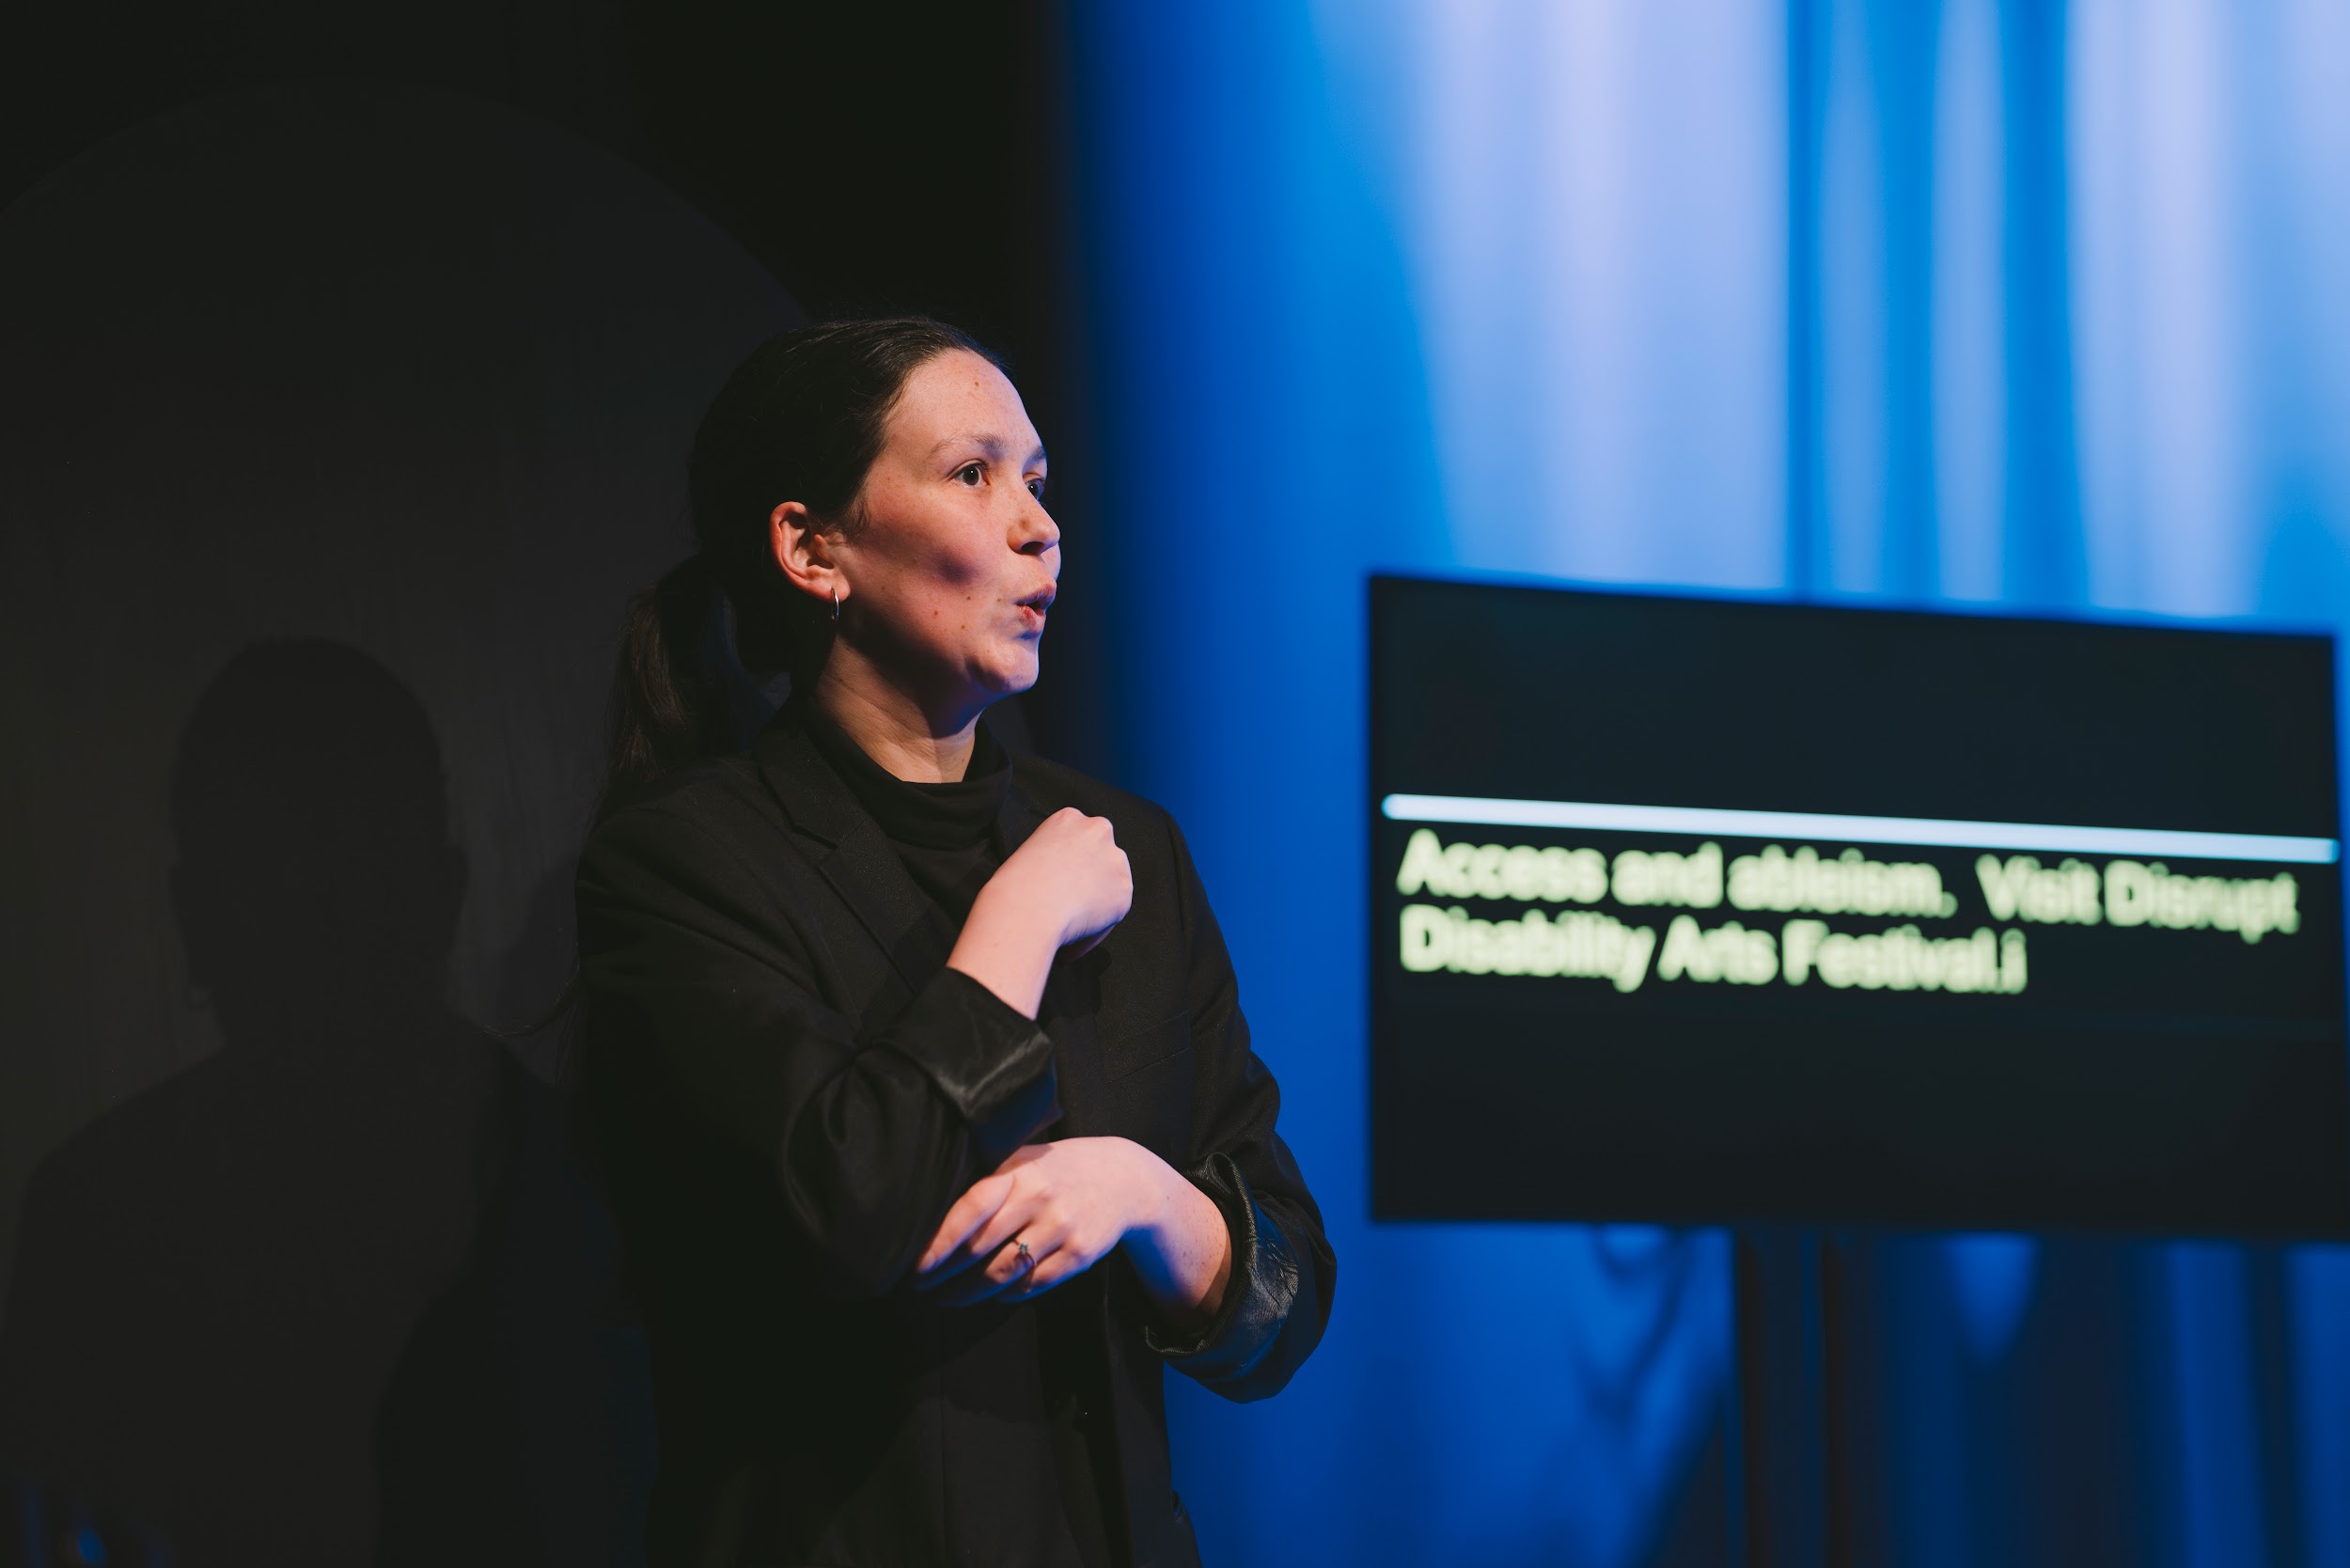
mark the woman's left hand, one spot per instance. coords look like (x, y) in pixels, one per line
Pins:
(1071, 1201)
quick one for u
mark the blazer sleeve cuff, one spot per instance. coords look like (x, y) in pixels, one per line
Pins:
(1258, 1295)
(987, 1059)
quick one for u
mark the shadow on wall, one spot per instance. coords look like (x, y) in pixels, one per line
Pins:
(303, 1275)
(332, 1296)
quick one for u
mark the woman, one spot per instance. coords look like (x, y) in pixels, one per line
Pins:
(922, 1092)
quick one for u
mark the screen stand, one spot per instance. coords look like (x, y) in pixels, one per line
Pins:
(1788, 1289)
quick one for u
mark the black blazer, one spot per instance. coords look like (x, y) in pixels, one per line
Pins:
(790, 1090)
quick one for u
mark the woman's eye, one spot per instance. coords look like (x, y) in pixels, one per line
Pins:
(968, 474)
(1035, 488)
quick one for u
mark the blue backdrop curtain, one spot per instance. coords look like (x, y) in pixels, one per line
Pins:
(1980, 303)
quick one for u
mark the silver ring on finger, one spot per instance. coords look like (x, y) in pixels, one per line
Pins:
(1027, 1259)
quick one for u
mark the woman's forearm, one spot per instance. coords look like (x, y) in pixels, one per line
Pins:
(1183, 1254)
(1008, 950)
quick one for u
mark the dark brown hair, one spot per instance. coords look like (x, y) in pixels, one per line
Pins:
(801, 419)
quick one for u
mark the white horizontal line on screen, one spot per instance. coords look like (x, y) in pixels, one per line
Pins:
(1859, 830)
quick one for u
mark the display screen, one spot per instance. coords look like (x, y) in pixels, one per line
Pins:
(1695, 911)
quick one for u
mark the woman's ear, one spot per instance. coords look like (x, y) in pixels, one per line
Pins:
(803, 551)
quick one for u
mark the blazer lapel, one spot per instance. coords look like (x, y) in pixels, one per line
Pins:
(859, 862)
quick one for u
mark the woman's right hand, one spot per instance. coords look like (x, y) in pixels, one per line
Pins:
(1066, 887)
(1070, 875)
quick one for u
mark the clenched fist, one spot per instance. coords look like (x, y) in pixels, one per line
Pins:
(1066, 887)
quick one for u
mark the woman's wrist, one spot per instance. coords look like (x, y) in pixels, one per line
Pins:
(1181, 1248)
(1005, 952)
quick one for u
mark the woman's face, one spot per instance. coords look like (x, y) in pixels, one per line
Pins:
(945, 585)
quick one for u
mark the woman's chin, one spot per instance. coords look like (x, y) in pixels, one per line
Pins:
(1009, 677)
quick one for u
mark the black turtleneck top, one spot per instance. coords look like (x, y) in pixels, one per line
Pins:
(1021, 1374)
(944, 833)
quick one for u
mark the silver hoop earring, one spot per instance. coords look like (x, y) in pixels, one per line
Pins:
(835, 604)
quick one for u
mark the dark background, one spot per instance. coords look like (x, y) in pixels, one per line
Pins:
(898, 157)
(2147, 1080)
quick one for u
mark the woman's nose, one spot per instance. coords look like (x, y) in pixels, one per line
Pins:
(1038, 531)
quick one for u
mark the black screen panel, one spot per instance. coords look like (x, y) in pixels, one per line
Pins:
(1695, 911)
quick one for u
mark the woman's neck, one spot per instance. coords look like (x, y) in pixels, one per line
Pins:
(889, 726)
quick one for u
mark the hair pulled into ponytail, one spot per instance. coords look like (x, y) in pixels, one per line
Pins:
(662, 715)
(801, 419)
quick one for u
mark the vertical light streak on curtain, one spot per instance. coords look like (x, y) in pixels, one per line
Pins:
(2319, 1282)
(1596, 433)
(2157, 298)
(2043, 551)
(1876, 316)
(2218, 1454)
(1473, 93)
(1991, 1285)
(1969, 367)
(1597, 235)
(1854, 394)
(1663, 255)
(2289, 68)
(2107, 313)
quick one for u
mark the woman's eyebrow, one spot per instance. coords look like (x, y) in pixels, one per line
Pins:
(992, 445)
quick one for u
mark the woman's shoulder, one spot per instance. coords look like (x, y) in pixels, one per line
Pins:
(718, 803)
(707, 838)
